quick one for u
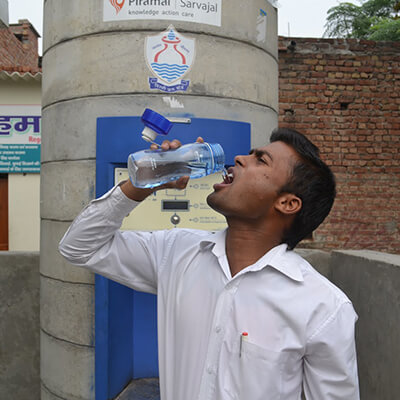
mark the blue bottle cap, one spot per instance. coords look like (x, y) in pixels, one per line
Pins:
(155, 122)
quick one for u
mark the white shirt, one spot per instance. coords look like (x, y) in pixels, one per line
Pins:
(300, 326)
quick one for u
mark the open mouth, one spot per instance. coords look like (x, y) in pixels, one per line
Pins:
(228, 178)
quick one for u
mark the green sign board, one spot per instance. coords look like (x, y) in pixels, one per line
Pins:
(19, 158)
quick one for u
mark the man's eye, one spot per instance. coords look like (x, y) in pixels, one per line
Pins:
(262, 160)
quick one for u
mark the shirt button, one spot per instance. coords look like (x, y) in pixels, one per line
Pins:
(210, 369)
(217, 329)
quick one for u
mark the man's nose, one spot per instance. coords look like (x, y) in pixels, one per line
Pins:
(240, 159)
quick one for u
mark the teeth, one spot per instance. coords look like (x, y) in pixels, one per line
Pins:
(229, 178)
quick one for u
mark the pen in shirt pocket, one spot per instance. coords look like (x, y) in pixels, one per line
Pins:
(244, 336)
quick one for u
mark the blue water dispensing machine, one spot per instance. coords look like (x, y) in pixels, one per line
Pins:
(126, 321)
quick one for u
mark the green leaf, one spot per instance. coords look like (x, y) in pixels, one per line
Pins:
(373, 19)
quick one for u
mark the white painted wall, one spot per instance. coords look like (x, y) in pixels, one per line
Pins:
(24, 212)
(23, 189)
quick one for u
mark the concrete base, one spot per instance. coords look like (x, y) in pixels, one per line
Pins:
(67, 369)
(372, 282)
(19, 326)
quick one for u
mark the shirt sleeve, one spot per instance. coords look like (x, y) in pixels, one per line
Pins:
(330, 363)
(94, 241)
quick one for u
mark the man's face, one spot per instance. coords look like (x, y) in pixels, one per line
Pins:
(257, 180)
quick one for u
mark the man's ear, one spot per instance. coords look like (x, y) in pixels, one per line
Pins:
(288, 203)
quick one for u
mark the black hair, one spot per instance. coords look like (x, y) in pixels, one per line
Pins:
(311, 180)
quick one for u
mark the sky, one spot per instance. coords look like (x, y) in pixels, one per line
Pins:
(296, 18)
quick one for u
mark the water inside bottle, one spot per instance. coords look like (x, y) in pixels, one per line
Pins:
(147, 177)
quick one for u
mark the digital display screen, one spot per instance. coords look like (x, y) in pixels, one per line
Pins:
(173, 205)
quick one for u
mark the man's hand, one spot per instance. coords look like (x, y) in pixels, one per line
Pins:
(139, 194)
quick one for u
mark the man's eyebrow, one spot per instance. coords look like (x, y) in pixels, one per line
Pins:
(260, 153)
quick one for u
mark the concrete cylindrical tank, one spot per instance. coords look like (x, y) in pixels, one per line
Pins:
(94, 67)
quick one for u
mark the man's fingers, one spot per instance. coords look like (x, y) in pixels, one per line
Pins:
(170, 145)
(182, 182)
(175, 144)
(165, 145)
(179, 184)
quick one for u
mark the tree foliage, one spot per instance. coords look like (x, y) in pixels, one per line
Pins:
(373, 20)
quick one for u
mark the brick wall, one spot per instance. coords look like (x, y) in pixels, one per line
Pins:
(345, 96)
(19, 48)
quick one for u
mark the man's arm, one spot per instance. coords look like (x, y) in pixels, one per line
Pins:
(94, 241)
(330, 363)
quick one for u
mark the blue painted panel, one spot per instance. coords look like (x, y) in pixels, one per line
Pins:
(101, 338)
(145, 357)
(120, 344)
(126, 327)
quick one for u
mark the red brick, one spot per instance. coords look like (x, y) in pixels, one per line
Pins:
(16, 56)
(360, 143)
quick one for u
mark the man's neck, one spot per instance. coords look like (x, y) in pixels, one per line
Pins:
(246, 244)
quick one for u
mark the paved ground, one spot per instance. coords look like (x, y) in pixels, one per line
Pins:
(141, 389)
(145, 389)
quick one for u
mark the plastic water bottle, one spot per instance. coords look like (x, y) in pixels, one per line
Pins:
(151, 168)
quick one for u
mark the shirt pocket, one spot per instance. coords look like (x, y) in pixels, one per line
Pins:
(254, 373)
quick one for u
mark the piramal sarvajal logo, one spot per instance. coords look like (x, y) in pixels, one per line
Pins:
(117, 5)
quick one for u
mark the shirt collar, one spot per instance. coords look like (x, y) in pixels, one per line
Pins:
(283, 260)
(214, 241)
(280, 258)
